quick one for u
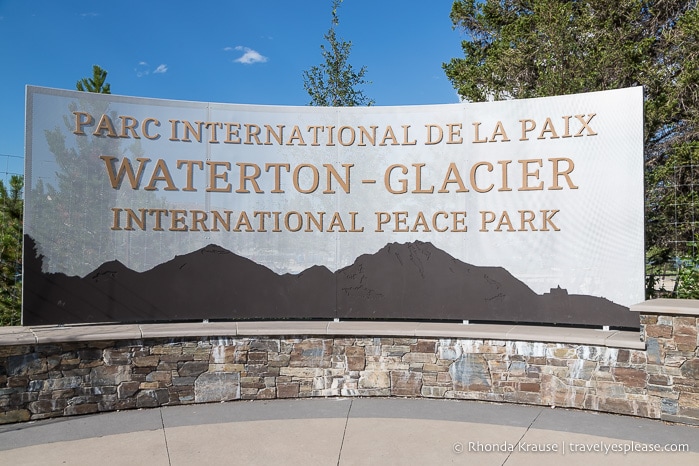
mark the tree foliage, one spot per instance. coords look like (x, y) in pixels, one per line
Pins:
(335, 82)
(11, 209)
(96, 84)
(533, 48)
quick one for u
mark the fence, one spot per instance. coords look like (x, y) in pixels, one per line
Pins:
(10, 165)
(681, 190)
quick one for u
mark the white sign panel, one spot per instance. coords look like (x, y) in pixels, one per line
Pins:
(549, 189)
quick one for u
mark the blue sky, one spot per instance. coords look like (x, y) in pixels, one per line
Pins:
(228, 51)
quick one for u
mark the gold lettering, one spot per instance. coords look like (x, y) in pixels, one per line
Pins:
(161, 173)
(440, 134)
(105, 124)
(244, 177)
(527, 126)
(214, 176)
(454, 133)
(82, 119)
(314, 178)
(499, 131)
(453, 176)
(489, 167)
(566, 173)
(190, 172)
(476, 135)
(115, 179)
(526, 174)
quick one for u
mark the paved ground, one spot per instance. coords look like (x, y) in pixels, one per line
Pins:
(348, 432)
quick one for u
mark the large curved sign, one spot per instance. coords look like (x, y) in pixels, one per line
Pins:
(525, 210)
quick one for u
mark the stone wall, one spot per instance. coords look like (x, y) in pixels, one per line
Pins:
(67, 378)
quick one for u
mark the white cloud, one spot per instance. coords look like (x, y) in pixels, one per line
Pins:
(249, 56)
(143, 69)
(89, 15)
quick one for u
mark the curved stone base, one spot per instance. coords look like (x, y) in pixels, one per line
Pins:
(50, 372)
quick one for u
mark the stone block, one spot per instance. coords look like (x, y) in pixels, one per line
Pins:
(311, 353)
(421, 358)
(18, 415)
(25, 364)
(183, 381)
(89, 354)
(686, 342)
(80, 409)
(653, 353)
(618, 406)
(690, 369)
(623, 356)
(659, 379)
(405, 383)
(257, 357)
(268, 346)
(217, 386)
(288, 390)
(110, 356)
(152, 398)
(193, 368)
(395, 350)
(529, 387)
(146, 361)
(110, 375)
(169, 349)
(630, 377)
(356, 358)
(685, 325)
(127, 389)
(562, 353)
(533, 398)
(47, 406)
(659, 331)
(689, 401)
(433, 392)
(669, 406)
(374, 380)
(642, 357)
(160, 376)
(252, 382)
(17, 382)
(468, 371)
(266, 394)
(398, 341)
(301, 372)
(278, 360)
(424, 346)
(148, 385)
(386, 363)
(581, 369)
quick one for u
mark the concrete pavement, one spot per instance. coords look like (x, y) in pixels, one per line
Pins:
(343, 431)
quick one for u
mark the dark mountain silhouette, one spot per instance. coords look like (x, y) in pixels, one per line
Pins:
(400, 281)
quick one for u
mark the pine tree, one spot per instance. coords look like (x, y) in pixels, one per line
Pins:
(96, 84)
(11, 209)
(334, 83)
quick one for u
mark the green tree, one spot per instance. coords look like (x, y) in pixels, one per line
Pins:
(11, 209)
(96, 84)
(534, 48)
(334, 83)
